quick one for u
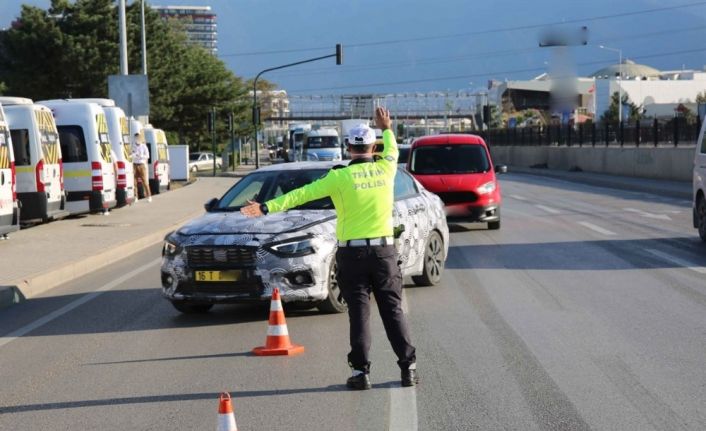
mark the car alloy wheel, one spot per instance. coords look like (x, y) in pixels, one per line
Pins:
(433, 261)
(334, 303)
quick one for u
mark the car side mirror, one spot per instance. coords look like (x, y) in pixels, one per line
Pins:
(210, 205)
(398, 230)
(500, 169)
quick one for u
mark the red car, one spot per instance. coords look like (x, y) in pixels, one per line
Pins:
(459, 169)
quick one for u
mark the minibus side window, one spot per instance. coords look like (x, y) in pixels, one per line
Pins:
(73, 144)
(20, 146)
(703, 144)
(149, 150)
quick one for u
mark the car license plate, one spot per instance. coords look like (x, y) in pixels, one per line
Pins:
(217, 275)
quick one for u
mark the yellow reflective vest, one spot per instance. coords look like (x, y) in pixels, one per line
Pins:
(361, 192)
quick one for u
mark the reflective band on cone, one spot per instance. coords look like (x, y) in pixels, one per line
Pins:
(277, 342)
(226, 418)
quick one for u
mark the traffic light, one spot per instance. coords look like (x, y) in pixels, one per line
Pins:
(230, 121)
(211, 121)
(339, 54)
(486, 114)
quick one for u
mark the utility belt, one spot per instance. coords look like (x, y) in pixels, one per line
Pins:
(382, 240)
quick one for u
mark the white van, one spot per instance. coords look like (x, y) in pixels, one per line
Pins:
(9, 209)
(89, 175)
(699, 184)
(296, 140)
(321, 144)
(119, 135)
(158, 164)
(38, 167)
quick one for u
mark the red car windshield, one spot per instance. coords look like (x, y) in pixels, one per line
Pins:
(449, 159)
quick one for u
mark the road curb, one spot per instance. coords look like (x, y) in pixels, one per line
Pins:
(19, 290)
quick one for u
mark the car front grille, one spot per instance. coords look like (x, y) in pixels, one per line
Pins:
(221, 256)
(450, 198)
(325, 158)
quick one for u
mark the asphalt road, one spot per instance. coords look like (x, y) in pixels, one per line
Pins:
(584, 311)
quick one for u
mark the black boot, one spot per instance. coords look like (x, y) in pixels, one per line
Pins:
(410, 377)
(359, 382)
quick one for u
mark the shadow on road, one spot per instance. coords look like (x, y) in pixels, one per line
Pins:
(624, 254)
(168, 398)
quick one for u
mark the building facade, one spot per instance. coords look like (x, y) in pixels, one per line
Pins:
(199, 23)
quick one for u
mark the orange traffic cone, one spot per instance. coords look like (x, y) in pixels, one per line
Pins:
(277, 342)
(226, 419)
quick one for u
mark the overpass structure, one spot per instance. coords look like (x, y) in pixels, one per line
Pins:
(411, 107)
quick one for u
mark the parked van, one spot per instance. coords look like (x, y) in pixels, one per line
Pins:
(159, 159)
(89, 175)
(699, 185)
(321, 145)
(38, 164)
(119, 135)
(9, 209)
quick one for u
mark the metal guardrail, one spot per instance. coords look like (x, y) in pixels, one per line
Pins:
(673, 133)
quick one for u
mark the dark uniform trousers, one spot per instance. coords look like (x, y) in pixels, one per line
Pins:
(360, 271)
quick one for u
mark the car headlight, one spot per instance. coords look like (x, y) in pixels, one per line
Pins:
(486, 188)
(171, 248)
(293, 247)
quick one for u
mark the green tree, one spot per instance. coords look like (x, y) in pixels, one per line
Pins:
(70, 50)
(633, 111)
(701, 98)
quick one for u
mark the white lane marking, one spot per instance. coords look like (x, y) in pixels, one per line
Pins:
(403, 409)
(595, 228)
(70, 306)
(648, 215)
(548, 209)
(403, 401)
(675, 260)
(518, 197)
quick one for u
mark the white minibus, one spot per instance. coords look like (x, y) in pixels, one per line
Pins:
(89, 175)
(158, 164)
(38, 164)
(9, 210)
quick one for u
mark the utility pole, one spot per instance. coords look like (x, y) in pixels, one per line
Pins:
(123, 37)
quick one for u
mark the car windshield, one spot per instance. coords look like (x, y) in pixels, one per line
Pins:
(321, 142)
(194, 156)
(450, 159)
(263, 186)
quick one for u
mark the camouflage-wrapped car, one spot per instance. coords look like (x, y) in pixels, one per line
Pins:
(224, 257)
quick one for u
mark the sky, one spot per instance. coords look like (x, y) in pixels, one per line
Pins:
(408, 46)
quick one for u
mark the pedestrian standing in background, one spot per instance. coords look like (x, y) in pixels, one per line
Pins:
(362, 194)
(140, 158)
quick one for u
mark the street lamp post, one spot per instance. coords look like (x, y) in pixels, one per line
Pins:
(620, 73)
(256, 111)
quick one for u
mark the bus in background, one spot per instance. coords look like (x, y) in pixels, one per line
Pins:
(321, 144)
(38, 164)
(89, 174)
(296, 141)
(158, 163)
(9, 210)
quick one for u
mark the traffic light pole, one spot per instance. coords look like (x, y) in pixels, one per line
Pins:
(256, 110)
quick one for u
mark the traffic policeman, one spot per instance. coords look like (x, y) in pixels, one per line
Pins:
(362, 194)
